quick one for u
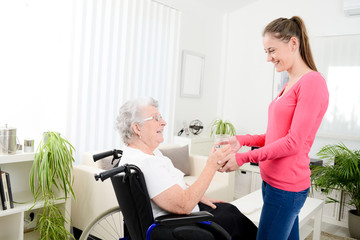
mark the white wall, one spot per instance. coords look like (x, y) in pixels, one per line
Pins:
(248, 86)
(201, 32)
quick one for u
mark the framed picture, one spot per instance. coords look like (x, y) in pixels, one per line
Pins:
(279, 80)
(192, 74)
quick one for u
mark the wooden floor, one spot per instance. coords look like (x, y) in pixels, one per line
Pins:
(334, 229)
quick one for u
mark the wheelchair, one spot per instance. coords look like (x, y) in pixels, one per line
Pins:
(133, 219)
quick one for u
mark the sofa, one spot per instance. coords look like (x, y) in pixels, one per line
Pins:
(94, 197)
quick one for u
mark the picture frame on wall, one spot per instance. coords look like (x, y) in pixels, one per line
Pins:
(279, 80)
(192, 74)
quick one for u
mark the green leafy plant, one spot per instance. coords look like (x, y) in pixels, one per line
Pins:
(220, 127)
(342, 172)
(51, 174)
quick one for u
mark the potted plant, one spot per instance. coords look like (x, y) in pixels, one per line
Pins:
(341, 172)
(222, 131)
(49, 176)
(220, 127)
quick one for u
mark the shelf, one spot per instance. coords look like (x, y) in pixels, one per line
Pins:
(198, 145)
(19, 166)
(305, 231)
(18, 157)
(34, 235)
(23, 207)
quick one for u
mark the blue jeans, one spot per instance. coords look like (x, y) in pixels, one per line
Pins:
(279, 216)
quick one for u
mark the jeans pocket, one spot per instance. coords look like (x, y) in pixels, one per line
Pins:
(299, 200)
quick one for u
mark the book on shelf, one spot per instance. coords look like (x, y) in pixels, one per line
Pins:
(9, 190)
(5, 191)
(2, 193)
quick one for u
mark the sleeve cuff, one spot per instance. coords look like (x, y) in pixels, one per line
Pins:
(240, 159)
(239, 138)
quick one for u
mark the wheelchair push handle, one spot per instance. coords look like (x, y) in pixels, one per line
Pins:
(109, 173)
(115, 153)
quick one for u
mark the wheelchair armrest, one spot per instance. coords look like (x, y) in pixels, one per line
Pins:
(179, 219)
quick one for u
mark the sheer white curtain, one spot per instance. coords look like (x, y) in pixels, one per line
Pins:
(338, 59)
(122, 49)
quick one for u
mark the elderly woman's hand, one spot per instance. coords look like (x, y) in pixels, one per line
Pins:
(210, 201)
(220, 154)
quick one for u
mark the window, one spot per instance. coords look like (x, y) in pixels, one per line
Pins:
(67, 66)
(338, 59)
(34, 66)
(121, 50)
(343, 114)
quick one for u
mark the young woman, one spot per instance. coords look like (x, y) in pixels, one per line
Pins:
(294, 117)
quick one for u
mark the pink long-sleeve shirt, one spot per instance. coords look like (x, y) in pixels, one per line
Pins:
(293, 120)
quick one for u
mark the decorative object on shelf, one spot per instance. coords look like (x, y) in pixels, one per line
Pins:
(184, 129)
(51, 173)
(8, 144)
(29, 145)
(219, 126)
(341, 172)
(222, 130)
(196, 127)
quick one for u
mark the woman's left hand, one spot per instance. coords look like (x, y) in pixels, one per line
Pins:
(210, 201)
(234, 143)
(229, 164)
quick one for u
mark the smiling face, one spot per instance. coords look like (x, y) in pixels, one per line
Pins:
(279, 52)
(151, 130)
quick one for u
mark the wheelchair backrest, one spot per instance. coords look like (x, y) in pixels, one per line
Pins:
(134, 201)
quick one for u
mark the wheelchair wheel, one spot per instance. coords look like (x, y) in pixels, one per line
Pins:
(108, 225)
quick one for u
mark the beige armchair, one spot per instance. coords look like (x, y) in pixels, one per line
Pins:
(94, 197)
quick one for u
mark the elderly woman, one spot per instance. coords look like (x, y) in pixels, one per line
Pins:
(141, 127)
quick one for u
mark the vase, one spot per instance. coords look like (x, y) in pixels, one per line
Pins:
(354, 224)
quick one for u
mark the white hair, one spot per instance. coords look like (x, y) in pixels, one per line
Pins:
(130, 113)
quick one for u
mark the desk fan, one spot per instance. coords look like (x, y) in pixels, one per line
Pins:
(196, 127)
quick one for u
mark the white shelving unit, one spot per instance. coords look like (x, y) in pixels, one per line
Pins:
(247, 180)
(12, 220)
(198, 145)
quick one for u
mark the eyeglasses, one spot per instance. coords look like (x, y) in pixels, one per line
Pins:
(157, 117)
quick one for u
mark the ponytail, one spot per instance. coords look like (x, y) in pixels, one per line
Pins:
(284, 29)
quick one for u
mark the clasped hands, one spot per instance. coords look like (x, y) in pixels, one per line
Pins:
(228, 163)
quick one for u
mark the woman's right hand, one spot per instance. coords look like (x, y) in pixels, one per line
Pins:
(234, 144)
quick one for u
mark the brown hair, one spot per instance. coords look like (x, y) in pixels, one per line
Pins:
(284, 29)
